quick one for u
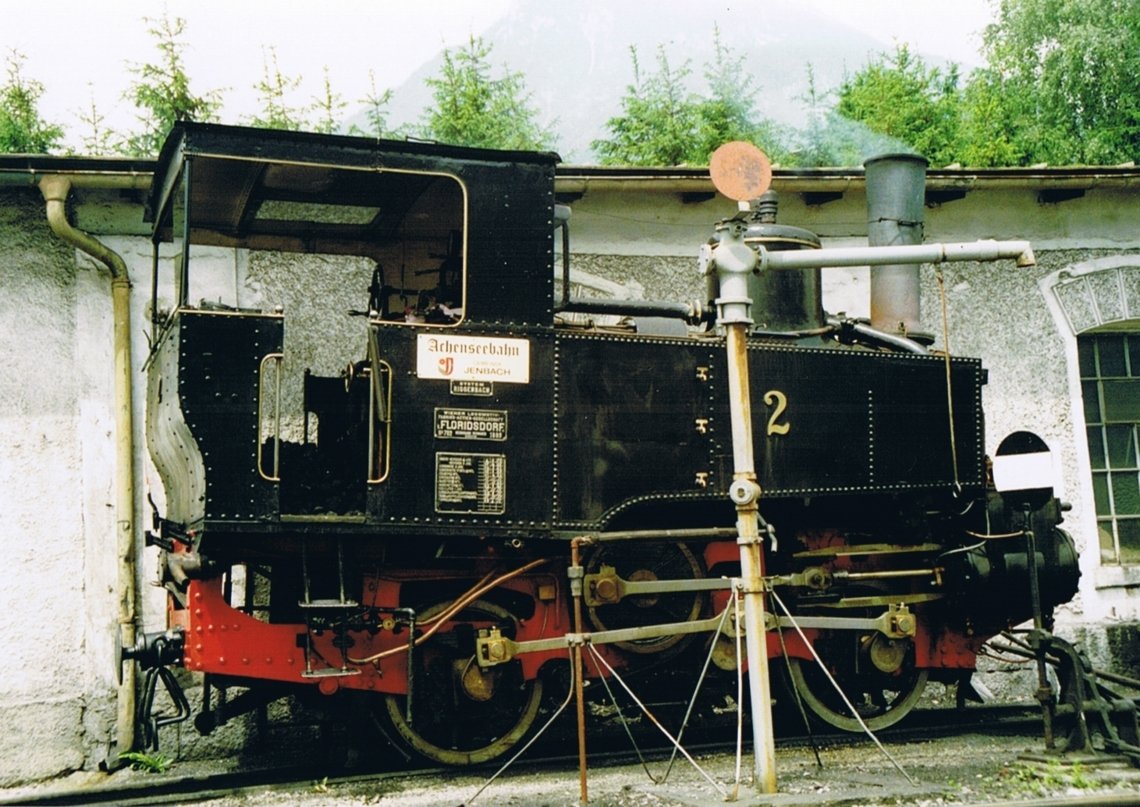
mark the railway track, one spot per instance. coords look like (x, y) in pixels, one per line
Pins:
(607, 750)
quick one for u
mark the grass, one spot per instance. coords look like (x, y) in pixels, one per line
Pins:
(150, 763)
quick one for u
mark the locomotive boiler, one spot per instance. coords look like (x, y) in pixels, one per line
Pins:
(397, 451)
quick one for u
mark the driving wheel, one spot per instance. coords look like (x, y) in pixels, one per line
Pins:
(461, 713)
(648, 562)
(875, 673)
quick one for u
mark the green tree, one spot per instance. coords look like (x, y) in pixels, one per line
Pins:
(901, 97)
(97, 139)
(827, 139)
(162, 91)
(659, 121)
(375, 105)
(328, 106)
(274, 89)
(1065, 76)
(663, 123)
(474, 109)
(987, 136)
(729, 111)
(22, 130)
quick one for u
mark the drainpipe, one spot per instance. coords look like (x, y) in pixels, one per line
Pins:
(55, 189)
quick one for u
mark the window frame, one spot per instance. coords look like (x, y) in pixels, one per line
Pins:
(1113, 442)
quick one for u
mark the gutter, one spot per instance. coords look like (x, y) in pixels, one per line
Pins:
(582, 178)
(55, 189)
(103, 173)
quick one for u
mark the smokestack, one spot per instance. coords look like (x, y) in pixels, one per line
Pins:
(896, 193)
(790, 300)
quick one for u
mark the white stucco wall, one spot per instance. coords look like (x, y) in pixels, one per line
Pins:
(56, 601)
(58, 596)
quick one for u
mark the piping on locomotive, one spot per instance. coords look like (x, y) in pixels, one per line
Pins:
(399, 530)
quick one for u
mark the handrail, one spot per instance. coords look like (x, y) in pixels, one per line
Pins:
(379, 411)
(277, 359)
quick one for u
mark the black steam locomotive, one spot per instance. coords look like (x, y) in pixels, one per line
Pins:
(372, 490)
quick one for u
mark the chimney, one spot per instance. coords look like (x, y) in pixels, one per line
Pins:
(896, 190)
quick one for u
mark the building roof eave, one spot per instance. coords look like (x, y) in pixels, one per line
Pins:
(111, 173)
(578, 179)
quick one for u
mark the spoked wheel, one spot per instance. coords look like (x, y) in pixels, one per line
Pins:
(462, 714)
(882, 697)
(640, 562)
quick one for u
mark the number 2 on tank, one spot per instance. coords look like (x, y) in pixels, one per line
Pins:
(779, 403)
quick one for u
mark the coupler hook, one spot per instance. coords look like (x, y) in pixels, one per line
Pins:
(154, 652)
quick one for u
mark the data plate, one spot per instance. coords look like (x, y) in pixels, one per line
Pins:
(474, 389)
(470, 424)
(471, 483)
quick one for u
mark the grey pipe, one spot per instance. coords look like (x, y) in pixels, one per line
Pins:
(689, 312)
(896, 191)
(1020, 251)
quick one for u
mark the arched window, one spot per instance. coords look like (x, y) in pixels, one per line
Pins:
(1096, 304)
(1110, 391)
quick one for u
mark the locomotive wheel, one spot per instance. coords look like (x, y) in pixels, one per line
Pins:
(646, 561)
(462, 714)
(881, 698)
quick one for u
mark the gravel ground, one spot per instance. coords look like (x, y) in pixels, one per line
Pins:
(969, 769)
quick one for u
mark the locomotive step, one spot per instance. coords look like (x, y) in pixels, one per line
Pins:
(329, 672)
(328, 604)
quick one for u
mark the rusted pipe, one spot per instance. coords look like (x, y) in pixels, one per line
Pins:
(745, 493)
(734, 261)
(576, 573)
(55, 189)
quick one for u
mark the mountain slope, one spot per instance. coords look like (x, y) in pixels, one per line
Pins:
(577, 65)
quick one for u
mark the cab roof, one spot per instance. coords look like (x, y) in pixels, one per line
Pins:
(265, 188)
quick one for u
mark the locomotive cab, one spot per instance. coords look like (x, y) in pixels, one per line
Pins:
(290, 361)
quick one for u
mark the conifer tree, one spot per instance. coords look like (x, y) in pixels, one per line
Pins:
(329, 107)
(663, 123)
(22, 130)
(274, 89)
(161, 90)
(374, 111)
(472, 108)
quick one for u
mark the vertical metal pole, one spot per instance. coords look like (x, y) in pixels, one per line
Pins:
(734, 261)
(1039, 636)
(575, 573)
(155, 324)
(184, 262)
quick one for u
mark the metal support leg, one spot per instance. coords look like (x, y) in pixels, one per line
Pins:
(575, 573)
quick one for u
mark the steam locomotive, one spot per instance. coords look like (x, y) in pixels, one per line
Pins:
(376, 489)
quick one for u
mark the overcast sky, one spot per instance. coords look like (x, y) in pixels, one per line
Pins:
(80, 49)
